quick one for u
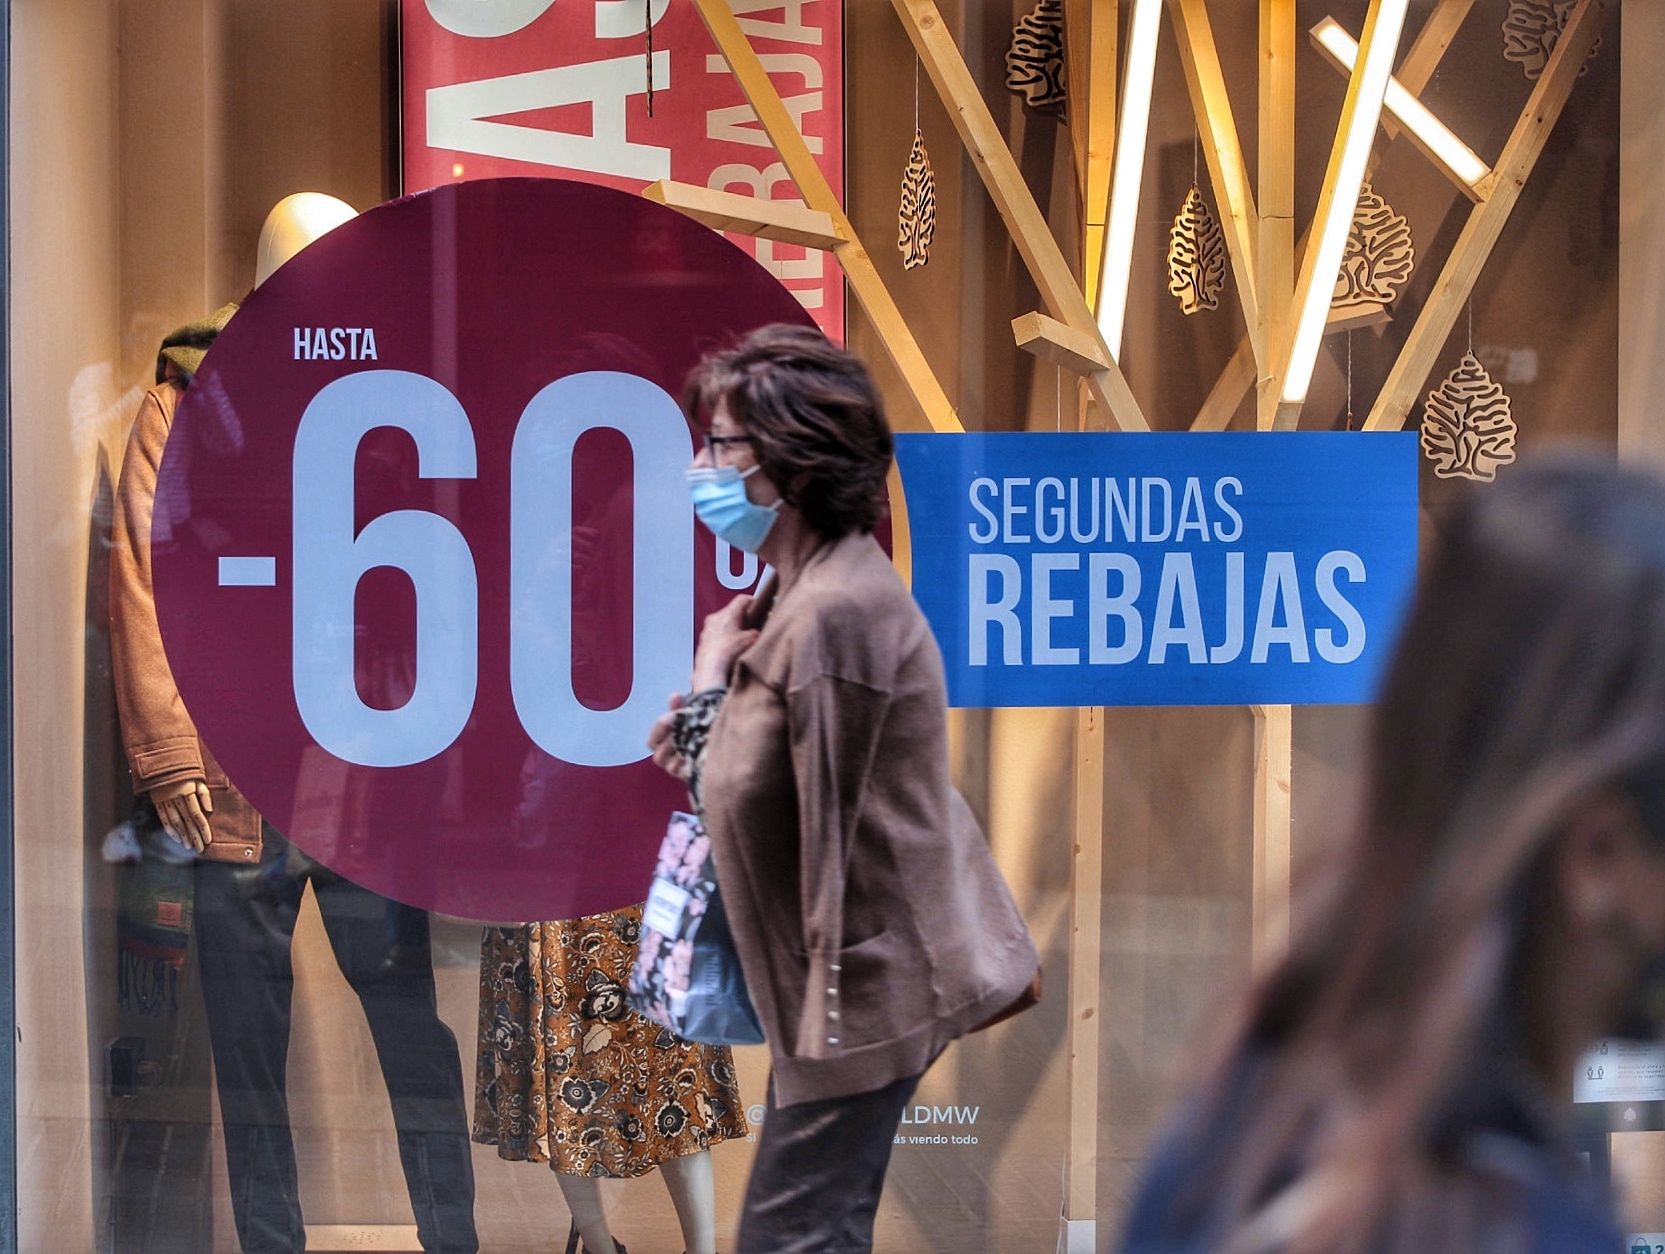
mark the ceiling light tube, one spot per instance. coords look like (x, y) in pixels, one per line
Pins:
(1435, 137)
(1346, 179)
(1131, 128)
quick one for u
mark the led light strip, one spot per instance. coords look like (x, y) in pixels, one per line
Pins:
(1346, 178)
(1132, 126)
(1435, 137)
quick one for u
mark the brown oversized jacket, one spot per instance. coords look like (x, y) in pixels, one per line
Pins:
(871, 921)
(161, 741)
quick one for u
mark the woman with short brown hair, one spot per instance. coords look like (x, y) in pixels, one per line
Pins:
(813, 419)
(871, 922)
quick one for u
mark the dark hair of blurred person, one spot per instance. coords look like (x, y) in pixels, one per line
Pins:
(1398, 1081)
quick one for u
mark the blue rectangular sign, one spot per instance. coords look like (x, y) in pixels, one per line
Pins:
(1162, 569)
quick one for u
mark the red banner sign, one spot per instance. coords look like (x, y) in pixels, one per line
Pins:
(528, 87)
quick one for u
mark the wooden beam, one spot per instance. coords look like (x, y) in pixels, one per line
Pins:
(1273, 851)
(1224, 154)
(1486, 221)
(784, 220)
(870, 290)
(1060, 290)
(1112, 396)
(1239, 373)
(1641, 263)
(1078, 39)
(901, 528)
(1234, 382)
(1051, 340)
(1093, 119)
(1275, 251)
(1416, 72)
(1086, 950)
(1275, 260)
(1332, 200)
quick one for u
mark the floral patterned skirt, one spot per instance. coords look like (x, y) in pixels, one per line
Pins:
(567, 1074)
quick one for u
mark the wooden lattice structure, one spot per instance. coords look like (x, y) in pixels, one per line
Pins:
(1271, 272)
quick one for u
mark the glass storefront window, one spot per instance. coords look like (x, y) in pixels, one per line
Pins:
(389, 626)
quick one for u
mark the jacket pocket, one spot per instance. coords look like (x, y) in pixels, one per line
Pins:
(861, 995)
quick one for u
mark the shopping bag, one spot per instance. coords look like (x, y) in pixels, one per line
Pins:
(687, 975)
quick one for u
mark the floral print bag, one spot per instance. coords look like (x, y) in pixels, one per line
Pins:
(687, 976)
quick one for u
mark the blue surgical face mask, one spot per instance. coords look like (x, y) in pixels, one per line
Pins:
(721, 503)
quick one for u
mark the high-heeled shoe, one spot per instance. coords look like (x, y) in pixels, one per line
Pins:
(576, 1246)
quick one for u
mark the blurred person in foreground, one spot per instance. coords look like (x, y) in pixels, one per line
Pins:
(870, 920)
(1399, 1082)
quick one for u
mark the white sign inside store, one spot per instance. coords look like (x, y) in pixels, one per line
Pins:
(1621, 1071)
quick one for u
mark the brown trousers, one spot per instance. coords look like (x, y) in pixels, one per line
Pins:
(820, 1168)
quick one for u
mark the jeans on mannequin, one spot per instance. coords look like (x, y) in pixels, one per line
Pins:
(244, 925)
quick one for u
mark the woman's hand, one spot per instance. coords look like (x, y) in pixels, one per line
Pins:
(723, 638)
(665, 756)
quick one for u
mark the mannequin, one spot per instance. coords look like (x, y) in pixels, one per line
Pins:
(248, 882)
(294, 222)
(693, 1193)
(567, 1075)
(185, 805)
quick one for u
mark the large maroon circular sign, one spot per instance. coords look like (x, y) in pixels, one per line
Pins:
(425, 563)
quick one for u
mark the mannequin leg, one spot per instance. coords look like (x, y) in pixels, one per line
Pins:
(583, 1198)
(694, 1195)
(244, 919)
(416, 1051)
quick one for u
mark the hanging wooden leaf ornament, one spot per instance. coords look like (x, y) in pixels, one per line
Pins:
(916, 221)
(1035, 61)
(1196, 255)
(1531, 29)
(1379, 257)
(1467, 429)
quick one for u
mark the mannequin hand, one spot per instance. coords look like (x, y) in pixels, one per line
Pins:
(665, 756)
(723, 638)
(184, 807)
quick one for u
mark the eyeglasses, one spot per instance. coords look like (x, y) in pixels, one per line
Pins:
(716, 443)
